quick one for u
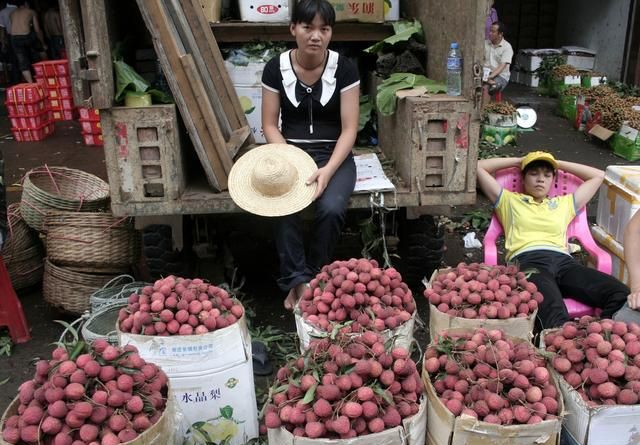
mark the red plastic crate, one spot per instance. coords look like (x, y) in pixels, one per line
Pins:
(89, 114)
(61, 104)
(42, 82)
(59, 93)
(25, 93)
(33, 134)
(58, 81)
(30, 122)
(26, 109)
(92, 139)
(52, 68)
(63, 115)
(90, 127)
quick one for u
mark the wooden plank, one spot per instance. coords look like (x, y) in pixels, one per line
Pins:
(186, 31)
(240, 32)
(210, 53)
(206, 110)
(74, 39)
(238, 140)
(168, 52)
(98, 53)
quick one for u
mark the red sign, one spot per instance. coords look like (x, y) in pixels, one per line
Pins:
(267, 9)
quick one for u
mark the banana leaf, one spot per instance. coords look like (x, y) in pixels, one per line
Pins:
(386, 96)
(366, 107)
(129, 81)
(403, 31)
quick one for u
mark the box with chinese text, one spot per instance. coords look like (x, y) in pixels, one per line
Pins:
(371, 11)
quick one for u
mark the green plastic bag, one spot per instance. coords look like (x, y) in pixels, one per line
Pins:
(386, 96)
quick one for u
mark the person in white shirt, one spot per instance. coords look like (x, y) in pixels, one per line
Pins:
(497, 58)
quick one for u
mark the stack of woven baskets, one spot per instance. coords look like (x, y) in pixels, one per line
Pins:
(86, 245)
(22, 252)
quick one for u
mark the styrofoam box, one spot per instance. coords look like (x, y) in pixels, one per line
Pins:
(249, 75)
(615, 249)
(572, 80)
(530, 79)
(251, 101)
(220, 404)
(581, 62)
(530, 59)
(193, 353)
(619, 199)
(392, 13)
(266, 10)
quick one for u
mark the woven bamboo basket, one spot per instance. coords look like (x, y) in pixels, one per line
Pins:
(26, 267)
(90, 240)
(19, 235)
(48, 189)
(70, 290)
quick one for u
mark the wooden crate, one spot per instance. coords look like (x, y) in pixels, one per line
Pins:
(434, 143)
(143, 154)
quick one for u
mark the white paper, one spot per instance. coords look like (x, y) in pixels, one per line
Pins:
(370, 175)
(471, 242)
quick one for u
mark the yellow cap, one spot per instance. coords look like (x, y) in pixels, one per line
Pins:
(539, 156)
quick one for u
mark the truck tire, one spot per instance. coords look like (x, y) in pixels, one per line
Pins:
(160, 257)
(421, 249)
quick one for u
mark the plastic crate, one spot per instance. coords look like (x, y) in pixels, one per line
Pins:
(30, 122)
(92, 139)
(90, 127)
(26, 109)
(63, 115)
(25, 93)
(89, 114)
(61, 104)
(33, 134)
(52, 68)
(59, 93)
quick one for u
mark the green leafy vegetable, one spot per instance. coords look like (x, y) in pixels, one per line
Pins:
(403, 31)
(386, 97)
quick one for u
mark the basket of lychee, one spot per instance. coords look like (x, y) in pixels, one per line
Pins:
(360, 294)
(480, 295)
(600, 359)
(483, 375)
(94, 395)
(348, 387)
(179, 306)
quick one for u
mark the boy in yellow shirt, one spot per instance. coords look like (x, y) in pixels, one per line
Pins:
(535, 229)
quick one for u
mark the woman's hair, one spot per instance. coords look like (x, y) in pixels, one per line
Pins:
(306, 10)
(539, 164)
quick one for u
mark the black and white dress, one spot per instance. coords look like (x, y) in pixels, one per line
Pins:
(311, 120)
(310, 113)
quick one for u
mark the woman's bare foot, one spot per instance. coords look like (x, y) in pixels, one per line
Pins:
(294, 295)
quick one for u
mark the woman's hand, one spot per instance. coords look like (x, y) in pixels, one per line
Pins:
(321, 177)
(634, 299)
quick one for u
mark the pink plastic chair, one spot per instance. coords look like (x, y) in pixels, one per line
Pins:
(511, 179)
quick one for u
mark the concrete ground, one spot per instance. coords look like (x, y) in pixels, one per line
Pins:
(65, 148)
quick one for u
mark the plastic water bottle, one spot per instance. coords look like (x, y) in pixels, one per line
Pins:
(454, 71)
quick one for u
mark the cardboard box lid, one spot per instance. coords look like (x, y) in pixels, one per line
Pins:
(600, 132)
(627, 176)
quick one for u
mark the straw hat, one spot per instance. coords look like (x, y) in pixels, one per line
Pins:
(270, 180)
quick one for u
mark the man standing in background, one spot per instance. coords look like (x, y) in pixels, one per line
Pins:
(6, 51)
(26, 38)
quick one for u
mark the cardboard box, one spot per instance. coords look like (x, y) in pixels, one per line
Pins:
(513, 327)
(219, 406)
(615, 249)
(184, 354)
(603, 425)
(444, 428)
(251, 102)
(618, 199)
(266, 10)
(402, 335)
(249, 75)
(412, 432)
(370, 11)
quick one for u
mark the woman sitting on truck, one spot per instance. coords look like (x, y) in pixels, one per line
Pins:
(535, 228)
(316, 93)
